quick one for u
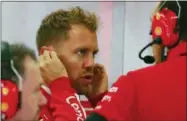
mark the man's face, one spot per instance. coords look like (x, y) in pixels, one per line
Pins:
(77, 54)
(31, 95)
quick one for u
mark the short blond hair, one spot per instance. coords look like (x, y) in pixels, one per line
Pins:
(58, 23)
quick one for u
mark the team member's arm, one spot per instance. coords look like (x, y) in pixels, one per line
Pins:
(45, 113)
(118, 103)
(63, 102)
(94, 100)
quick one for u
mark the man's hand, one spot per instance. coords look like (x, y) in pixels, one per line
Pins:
(100, 81)
(51, 67)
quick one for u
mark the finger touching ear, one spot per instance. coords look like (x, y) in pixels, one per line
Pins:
(46, 55)
(53, 55)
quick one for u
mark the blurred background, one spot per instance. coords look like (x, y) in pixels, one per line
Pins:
(124, 29)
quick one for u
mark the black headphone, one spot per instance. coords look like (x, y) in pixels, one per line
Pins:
(149, 59)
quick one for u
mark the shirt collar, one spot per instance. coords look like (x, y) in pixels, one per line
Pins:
(178, 50)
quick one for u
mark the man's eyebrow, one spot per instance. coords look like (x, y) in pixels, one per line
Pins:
(96, 51)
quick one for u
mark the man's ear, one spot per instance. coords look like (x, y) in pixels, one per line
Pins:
(49, 48)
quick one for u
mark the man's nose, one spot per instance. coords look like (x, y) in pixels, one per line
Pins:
(89, 62)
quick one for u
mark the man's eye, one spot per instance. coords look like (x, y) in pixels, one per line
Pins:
(81, 52)
(94, 54)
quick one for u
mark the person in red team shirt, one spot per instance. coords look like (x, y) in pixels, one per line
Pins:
(67, 42)
(158, 92)
(26, 106)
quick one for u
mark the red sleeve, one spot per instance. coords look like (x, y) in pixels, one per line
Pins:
(119, 103)
(64, 102)
(96, 99)
(45, 113)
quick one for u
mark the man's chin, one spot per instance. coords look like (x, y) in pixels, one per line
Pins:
(84, 90)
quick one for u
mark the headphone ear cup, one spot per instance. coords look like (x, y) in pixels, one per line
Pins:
(164, 25)
(9, 98)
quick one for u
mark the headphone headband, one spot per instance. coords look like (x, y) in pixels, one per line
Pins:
(11, 92)
(6, 55)
(179, 12)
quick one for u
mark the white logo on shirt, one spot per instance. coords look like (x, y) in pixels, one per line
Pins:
(76, 107)
(106, 98)
(113, 89)
(98, 107)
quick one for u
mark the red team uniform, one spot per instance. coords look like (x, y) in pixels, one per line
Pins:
(150, 94)
(63, 102)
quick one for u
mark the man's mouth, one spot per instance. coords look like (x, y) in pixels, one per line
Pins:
(87, 79)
